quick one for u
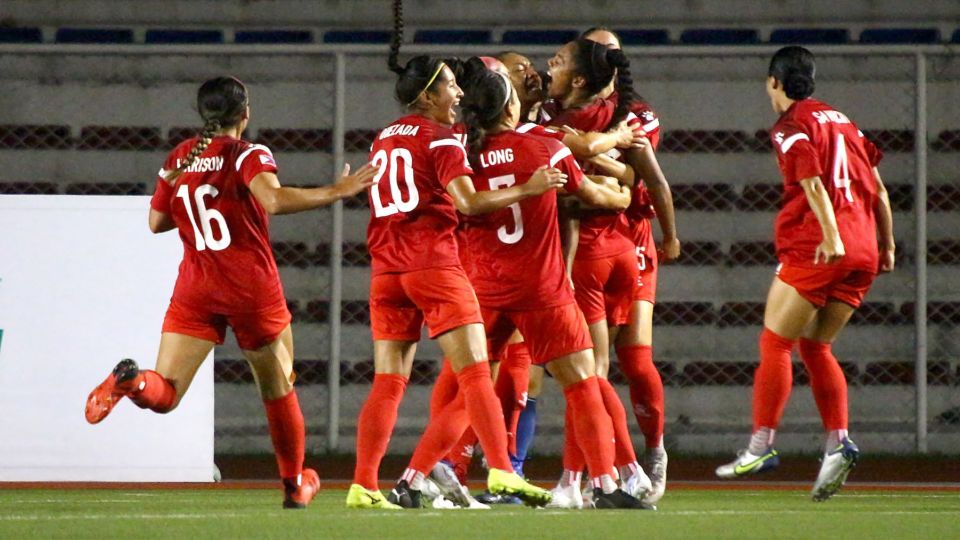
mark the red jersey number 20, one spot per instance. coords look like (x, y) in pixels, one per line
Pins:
(400, 159)
(205, 239)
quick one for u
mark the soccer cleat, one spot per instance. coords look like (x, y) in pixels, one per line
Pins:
(656, 463)
(445, 478)
(834, 468)
(299, 495)
(361, 497)
(487, 498)
(637, 485)
(568, 497)
(106, 395)
(509, 483)
(474, 504)
(618, 499)
(747, 464)
(404, 496)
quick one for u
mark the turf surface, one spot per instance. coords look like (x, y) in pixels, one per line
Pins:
(684, 513)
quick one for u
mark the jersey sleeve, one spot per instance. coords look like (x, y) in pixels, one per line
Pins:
(449, 159)
(647, 120)
(796, 154)
(162, 193)
(562, 158)
(255, 159)
(874, 154)
(540, 131)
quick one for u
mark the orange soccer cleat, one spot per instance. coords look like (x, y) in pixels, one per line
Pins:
(104, 397)
(299, 496)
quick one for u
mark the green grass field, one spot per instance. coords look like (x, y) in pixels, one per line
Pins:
(684, 513)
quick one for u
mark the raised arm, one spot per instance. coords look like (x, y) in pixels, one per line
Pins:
(831, 247)
(587, 145)
(884, 216)
(471, 202)
(645, 164)
(604, 192)
(277, 199)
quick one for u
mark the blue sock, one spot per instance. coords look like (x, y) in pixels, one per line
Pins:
(526, 429)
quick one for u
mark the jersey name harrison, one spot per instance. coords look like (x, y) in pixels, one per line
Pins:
(496, 157)
(204, 164)
(399, 129)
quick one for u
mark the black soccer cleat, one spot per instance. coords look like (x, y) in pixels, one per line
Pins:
(618, 499)
(405, 497)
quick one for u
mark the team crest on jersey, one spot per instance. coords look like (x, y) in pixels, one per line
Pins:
(778, 137)
(647, 116)
(267, 159)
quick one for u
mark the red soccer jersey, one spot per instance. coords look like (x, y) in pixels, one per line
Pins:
(812, 139)
(641, 115)
(540, 131)
(412, 217)
(601, 231)
(228, 266)
(513, 255)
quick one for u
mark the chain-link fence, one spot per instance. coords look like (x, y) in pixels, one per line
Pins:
(99, 121)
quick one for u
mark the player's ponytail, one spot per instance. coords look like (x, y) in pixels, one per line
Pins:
(485, 96)
(222, 103)
(393, 60)
(419, 74)
(794, 67)
(626, 96)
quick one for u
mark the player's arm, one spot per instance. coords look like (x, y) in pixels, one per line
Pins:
(646, 166)
(831, 247)
(884, 225)
(471, 202)
(611, 167)
(604, 192)
(160, 221)
(586, 145)
(277, 199)
(569, 215)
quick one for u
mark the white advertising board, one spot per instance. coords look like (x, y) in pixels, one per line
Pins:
(84, 284)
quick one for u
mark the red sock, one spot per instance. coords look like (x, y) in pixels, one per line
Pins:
(592, 424)
(827, 382)
(486, 416)
(573, 459)
(444, 389)
(461, 454)
(154, 392)
(511, 387)
(443, 431)
(375, 425)
(618, 415)
(772, 380)
(646, 390)
(287, 433)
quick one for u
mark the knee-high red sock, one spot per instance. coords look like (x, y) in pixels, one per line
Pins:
(375, 425)
(827, 382)
(442, 433)
(444, 389)
(772, 380)
(594, 430)
(511, 387)
(573, 459)
(623, 445)
(646, 390)
(485, 413)
(153, 392)
(287, 433)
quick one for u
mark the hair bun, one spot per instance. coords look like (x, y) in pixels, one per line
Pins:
(616, 58)
(798, 85)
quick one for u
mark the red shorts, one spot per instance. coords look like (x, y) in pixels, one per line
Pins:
(820, 285)
(252, 330)
(548, 332)
(605, 287)
(400, 303)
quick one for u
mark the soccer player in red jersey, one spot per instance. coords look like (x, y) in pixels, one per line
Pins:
(835, 207)
(216, 191)
(422, 180)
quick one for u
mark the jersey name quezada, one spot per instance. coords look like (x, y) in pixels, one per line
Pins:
(513, 256)
(813, 139)
(412, 217)
(228, 265)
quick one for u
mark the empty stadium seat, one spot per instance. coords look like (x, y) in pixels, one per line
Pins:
(538, 37)
(719, 36)
(453, 36)
(700, 254)
(106, 188)
(357, 36)
(810, 35)
(20, 35)
(760, 198)
(296, 139)
(120, 138)
(167, 35)
(643, 37)
(900, 35)
(28, 188)
(752, 254)
(703, 197)
(94, 35)
(717, 141)
(35, 137)
(272, 36)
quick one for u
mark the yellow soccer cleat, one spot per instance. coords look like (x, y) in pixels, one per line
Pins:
(510, 483)
(361, 497)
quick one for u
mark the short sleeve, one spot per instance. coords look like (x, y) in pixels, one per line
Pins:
(255, 159)
(796, 154)
(874, 154)
(540, 131)
(649, 122)
(449, 160)
(562, 158)
(162, 194)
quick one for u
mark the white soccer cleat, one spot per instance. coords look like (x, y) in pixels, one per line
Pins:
(748, 464)
(834, 468)
(474, 504)
(568, 497)
(446, 481)
(656, 462)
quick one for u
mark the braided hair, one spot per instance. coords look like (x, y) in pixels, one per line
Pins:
(221, 103)
(485, 95)
(794, 67)
(419, 74)
(598, 64)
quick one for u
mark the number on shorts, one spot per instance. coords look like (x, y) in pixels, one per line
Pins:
(499, 182)
(397, 203)
(841, 172)
(205, 239)
(641, 258)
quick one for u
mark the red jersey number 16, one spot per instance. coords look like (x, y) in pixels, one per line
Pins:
(399, 157)
(205, 239)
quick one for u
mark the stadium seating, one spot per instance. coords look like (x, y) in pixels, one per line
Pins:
(643, 37)
(94, 35)
(813, 36)
(720, 36)
(272, 36)
(900, 35)
(538, 37)
(171, 36)
(20, 35)
(356, 36)
(479, 37)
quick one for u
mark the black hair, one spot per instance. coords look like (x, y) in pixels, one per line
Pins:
(794, 67)
(598, 64)
(417, 76)
(221, 103)
(485, 95)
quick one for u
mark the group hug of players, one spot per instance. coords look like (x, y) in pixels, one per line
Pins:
(511, 215)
